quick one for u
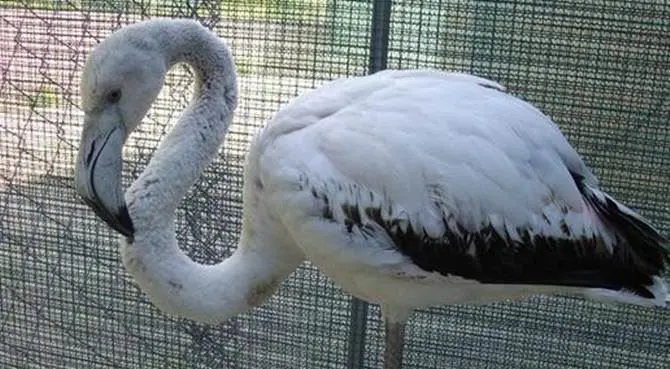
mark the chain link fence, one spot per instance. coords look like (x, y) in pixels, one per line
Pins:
(601, 69)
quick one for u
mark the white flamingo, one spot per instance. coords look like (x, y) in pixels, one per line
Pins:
(408, 188)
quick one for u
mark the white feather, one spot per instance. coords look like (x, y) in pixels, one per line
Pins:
(414, 137)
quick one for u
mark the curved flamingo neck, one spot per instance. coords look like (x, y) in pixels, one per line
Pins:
(185, 152)
(173, 282)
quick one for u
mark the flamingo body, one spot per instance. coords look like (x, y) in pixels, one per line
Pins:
(408, 188)
(415, 188)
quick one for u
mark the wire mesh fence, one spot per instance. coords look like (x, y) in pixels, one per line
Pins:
(601, 70)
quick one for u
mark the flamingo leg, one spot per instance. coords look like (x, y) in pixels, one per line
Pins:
(395, 342)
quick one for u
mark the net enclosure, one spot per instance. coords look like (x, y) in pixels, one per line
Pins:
(600, 69)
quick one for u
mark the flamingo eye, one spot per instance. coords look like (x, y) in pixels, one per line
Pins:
(114, 96)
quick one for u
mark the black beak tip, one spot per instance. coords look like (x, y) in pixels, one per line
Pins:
(120, 221)
(126, 224)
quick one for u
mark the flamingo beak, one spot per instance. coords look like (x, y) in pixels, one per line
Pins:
(98, 173)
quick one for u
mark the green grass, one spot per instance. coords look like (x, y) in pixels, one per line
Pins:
(303, 11)
(245, 66)
(46, 97)
(73, 5)
(275, 10)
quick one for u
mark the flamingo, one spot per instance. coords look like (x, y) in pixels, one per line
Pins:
(409, 188)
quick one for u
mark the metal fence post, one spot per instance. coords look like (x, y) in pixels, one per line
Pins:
(379, 42)
(379, 35)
